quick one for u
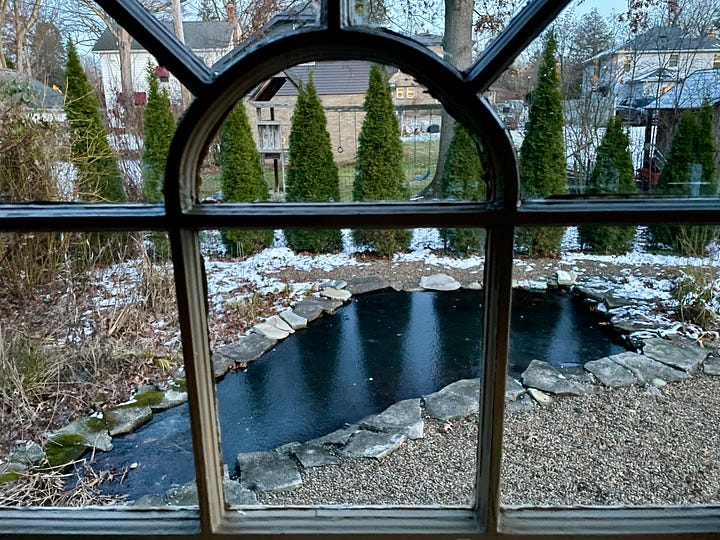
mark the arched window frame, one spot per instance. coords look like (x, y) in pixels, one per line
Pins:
(217, 89)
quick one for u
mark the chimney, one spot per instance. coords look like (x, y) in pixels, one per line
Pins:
(231, 12)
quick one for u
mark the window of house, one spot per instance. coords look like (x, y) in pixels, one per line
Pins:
(716, 61)
(486, 512)
(400, 92)
(674, 59)
(410, 93)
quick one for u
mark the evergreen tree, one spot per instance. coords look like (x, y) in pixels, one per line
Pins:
(380, 175)
(158, 130)
(692, 144)
(462, 179)
(98, 175)
(542, 153)
(313, 175)
(242, 179)
(614, 173)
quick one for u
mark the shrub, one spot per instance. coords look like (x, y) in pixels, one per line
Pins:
(542, 153)
(698, 297)
(462, 179)
(313, 175)
(242, 180)
(380, 175)
(614, 173)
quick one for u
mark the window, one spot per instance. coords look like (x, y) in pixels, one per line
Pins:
(410, 93)
(400, 93)
(716, 61)
(182, 218)
(674, 60)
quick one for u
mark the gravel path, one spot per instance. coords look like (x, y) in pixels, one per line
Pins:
(628, 446)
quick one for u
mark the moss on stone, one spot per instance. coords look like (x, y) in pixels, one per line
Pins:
(179, 384)
(12, 476)
(96, 424)
(64, 448)
(150, 397)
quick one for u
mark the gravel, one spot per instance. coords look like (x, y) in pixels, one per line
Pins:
(629, 446)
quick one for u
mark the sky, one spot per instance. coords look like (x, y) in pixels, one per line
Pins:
(604, 7)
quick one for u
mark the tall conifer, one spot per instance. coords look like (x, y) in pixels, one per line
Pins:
(542, 154)
(380, 175)
(312, 175)
(158, 130)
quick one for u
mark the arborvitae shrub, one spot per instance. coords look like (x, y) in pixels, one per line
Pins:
(312, 174)
(242, 180)
(614, 173)
(380, 175)
(542, 154)
(462, 179)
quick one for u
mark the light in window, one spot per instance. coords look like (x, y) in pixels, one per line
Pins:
(410, 93)
(400, 93)
(716, 61)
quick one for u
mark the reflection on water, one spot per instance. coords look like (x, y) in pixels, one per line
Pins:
(376, 350)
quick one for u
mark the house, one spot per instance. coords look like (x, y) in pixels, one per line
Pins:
(209, 40)
(645, 67)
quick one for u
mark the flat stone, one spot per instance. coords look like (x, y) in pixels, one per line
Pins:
(171, 398)
(647, 370)
(610, 373)
(533, 285)
(457, 400)
(402, 417)
(341, 295)
(280, 324)
(712, 366)
(627, 326)
(565, 278)
(339, 437)
(472, 285)
(312, 308)
(513, 390)
(612, 301)
(334, 284)
(366, 284)
(26, 453)
(187, 495)
(310, 455)
(521, 404)
(93, 431)
(267, 471)
(246, 349)
(593, 294)
(369, 444)
(578, 375)
(543, 376)
(270, 331)
(439, 282)
(295, 321)
(126, 419)
(685, 356)
(540, 397)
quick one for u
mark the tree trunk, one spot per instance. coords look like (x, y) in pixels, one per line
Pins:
(180, 33)
(458, 51)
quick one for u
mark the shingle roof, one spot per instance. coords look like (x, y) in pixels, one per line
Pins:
(199, 35)
(343, 77)
(41, 96)
(664, 38)
(698, 88)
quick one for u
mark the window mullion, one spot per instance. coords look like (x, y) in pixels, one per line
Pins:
(192, 307)
(496, 333)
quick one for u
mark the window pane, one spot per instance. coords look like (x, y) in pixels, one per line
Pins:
(90, 361)
(322, 144)
(323, 354)
(610, 393)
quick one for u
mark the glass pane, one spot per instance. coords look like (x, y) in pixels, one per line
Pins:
(630, 94)
(360, 132)
(323, 353)
(612, 377)
(90, 372)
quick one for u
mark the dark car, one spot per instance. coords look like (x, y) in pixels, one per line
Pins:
(632, 110)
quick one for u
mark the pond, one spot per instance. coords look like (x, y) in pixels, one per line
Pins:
(377, 350)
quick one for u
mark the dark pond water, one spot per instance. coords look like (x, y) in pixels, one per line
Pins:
(377, 350)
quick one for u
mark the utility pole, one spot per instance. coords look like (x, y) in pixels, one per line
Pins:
(180, 33)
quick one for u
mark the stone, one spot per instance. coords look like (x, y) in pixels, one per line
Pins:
(578, 375)
(612, 301)
(267, 471)
(311, 308)
(339, 437)
(646, 370)
(92, 430)
(280, 324)
(565, 278)
(366, 284)
(237, 495)
(627, 326)
(402, 417)
(127, 418)
(712, 366)
(472, 285)
(439, 282)
(610, 373)
(521, 404)
(681, 355)
(334, 284)
(593, 294)
(295, 321)
(513, 390)
(245, 350)
(456, 400)
(341, 295)
(187, 495)
(27, 453)
(288, 448)
(370, 444)
(543, 376)
(270, 331)
(310, 455)
(540, 397)
(171, 398)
